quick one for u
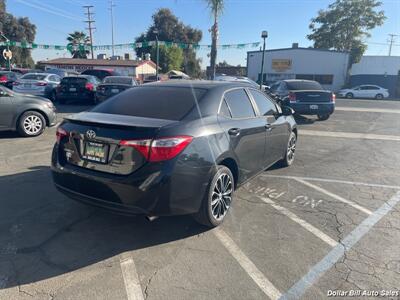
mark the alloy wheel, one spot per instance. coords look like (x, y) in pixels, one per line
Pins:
(291, 148)
(221, 196)
(32, 124)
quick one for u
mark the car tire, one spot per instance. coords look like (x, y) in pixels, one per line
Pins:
(31, 124)
(290, 151)
(349, 96)
(323, 117)
(218, 198)
(379, 97)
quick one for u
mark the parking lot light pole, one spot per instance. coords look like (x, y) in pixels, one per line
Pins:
(155, 31)
(8, 49)
(264, 35)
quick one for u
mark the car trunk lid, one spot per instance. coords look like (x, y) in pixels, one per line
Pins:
(304, 96)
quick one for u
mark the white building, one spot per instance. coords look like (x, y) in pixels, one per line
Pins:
(135, 68)
(325, 66)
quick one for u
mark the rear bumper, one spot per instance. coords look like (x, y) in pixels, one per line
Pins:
(160, 189)
(305, 108)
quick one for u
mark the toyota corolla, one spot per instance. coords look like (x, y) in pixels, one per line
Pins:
(172, 148)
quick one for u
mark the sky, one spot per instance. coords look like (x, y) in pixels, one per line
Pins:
(242, 21)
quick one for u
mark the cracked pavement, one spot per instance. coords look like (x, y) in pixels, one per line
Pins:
(54, 248)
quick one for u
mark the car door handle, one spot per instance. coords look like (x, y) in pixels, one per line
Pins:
(268, 127)
(234, 131)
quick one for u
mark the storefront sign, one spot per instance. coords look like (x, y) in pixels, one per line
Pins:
(281, 65)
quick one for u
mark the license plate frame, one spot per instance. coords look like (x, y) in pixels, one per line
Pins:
(98, 152)
(114, 91)
(313, 106)
(27, 85)
(72, 89)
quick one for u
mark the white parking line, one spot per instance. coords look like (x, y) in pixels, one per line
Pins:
(334, 196)
(264, 284)
(350, 135)
(299, 288)
(131, 278)
(318, 233)
(396, 187)
(365, 109)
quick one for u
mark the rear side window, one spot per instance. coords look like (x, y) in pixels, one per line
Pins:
(304, 85)
(224, 110)
(265, 106)
(169, 103)
(239, 104)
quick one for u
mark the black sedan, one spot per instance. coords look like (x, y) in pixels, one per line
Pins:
(27, 114)
(113, 85)
(306, 97)
(171, 148)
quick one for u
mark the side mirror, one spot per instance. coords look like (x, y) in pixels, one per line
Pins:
(287, 111)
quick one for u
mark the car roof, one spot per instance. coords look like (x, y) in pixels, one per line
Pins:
(33, 73)
(205, 84)
(298, 80)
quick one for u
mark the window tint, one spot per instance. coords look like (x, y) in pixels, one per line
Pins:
(304, 85)
(34, 76)
(265, 106)
(224, 110)
(170, 103)
(118, 79)
(239, 104)
(74, 80)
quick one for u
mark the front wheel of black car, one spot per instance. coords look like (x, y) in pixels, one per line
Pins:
(290, 151)
(218, 199)
(31, 123)
(349, 96)
(323, 117)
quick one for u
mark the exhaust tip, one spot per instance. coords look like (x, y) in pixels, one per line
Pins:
(151, 218)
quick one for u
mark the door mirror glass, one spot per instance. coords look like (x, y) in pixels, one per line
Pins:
(287, 111)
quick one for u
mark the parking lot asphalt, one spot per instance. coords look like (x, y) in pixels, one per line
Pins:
(330, 222)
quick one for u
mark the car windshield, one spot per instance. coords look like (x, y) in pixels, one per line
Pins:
(34, 76)
(117, 79)
(304, 85)
(168, 103)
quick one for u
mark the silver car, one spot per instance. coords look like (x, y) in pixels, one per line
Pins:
(38, 84)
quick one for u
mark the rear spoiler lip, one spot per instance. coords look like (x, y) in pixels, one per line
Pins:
(118, 120)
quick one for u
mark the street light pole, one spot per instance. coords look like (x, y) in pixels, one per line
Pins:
(264, 35)
(157, 52)
(8, 49)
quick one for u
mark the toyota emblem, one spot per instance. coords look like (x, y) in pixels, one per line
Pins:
(90, 134)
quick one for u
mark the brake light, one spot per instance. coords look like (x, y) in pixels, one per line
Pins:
(41, 83)
(159, 149)
(3, 79)
(333, 99)
(292, 97)
(60, 133)
(89, 86)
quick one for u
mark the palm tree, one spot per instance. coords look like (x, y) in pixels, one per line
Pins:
(76, 39)
(216, 7)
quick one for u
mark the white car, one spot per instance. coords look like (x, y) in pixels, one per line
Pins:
(365, 91)
(38, 84)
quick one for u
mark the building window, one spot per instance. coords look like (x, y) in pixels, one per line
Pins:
(322, 79)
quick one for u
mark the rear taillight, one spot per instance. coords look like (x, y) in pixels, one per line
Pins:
(41, 83)
(3, 79)
(61, 133)
(292, 97)
(159, 149)
(89, 86)
(333, 98)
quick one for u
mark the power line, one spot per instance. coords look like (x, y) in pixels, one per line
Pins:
(112, 5)
(90, 21)
(392, 36)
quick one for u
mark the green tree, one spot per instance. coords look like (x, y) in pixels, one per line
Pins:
(216, 7)
(345, 24)
(76, 43)
(170, 29)
(18, 30)
(171, 58)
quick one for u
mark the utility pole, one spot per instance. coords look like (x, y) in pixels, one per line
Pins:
(392, 36)
(90, 21)
(112, 5)
(264, 35)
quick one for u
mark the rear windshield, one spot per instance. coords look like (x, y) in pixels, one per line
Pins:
(169, 103)
(75, 80)
(304, 85)
(34, 76)
(122, 80)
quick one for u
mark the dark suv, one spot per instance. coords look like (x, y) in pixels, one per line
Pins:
(81, 87)
(100, 73)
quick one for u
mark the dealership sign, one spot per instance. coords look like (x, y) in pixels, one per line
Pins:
(281, 65)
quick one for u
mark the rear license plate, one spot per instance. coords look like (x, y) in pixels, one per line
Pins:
(27, 85)
(95, 152)
(114, 91)
(72, 89)
(313, 106)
